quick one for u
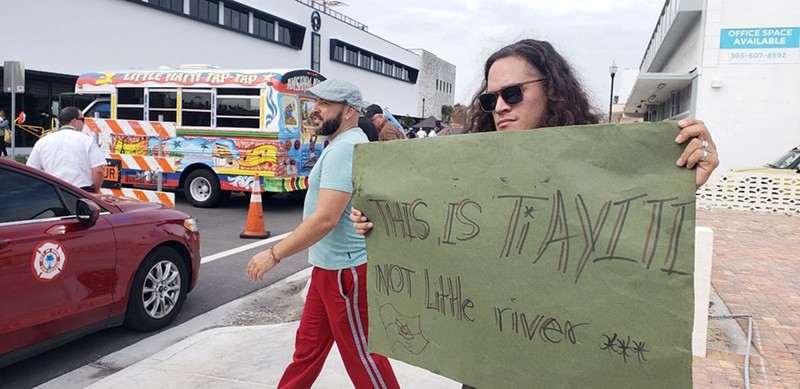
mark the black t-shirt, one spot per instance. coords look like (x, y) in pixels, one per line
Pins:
(369, 129)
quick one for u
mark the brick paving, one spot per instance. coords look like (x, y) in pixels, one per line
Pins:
(755, 270)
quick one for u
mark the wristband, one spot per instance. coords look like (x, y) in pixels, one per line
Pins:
(272, 257)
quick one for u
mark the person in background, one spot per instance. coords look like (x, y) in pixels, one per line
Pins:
(336, 307)
(421, 133)
(529, 85)
(369, 129)
(433, 133)
(3, 128)
(386, 129)
(69, 154)
(457, 119)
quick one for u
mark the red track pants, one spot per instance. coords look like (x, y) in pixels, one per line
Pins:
(336, 311)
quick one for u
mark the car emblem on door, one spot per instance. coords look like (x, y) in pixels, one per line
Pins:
(49, 260)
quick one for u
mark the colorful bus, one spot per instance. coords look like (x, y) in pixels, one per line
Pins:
(230, 126)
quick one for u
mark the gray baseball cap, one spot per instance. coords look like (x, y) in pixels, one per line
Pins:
(339, 91)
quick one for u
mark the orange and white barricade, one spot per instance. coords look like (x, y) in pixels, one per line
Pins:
(166, 198)
(106, 129)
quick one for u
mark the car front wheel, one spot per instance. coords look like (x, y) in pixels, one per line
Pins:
(158, 290)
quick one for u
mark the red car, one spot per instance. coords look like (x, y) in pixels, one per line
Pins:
(72, 262)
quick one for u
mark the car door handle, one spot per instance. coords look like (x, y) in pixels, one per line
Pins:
(57, 230)
(4, 243)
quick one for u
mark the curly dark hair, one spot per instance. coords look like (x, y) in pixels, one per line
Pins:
(567, 102)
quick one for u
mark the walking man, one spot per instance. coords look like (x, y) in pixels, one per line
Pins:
(69, 154)
(336, 306)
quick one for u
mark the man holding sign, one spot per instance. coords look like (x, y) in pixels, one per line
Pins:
(336, 306)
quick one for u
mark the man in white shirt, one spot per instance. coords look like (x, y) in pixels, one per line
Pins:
(69, 154)
(421, 133)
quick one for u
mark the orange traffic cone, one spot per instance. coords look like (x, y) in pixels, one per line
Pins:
(255, 215)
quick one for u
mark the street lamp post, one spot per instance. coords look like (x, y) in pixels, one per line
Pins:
(613, 71)
(423, 107)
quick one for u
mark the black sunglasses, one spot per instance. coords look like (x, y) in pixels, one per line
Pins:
(511, 94)
(81, 119)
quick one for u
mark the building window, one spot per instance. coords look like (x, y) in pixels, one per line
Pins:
(284, 35)
(172, 5)
(364, 61)
(204, 10)
(316, 51)
(236, 19)
(352, 57)
(264, 28)
(288, 34)
(355, 56)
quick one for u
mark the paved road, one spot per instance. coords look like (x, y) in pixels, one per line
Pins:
(221, 281)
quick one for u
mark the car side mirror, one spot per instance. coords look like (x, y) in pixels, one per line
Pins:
(88, 212)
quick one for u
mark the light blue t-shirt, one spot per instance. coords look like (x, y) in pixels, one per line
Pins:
(342, 247)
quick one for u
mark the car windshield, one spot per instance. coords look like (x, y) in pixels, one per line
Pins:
(787, 160)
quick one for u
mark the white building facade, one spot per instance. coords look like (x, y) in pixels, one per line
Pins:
(436, 84)
(732, 63)
(76, 36)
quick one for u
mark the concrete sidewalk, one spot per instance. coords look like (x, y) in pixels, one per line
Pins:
(755, 271)
(245, 357)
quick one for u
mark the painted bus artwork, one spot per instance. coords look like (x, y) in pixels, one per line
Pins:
(229, 125)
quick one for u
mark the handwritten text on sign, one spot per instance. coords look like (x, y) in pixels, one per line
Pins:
(560, 257)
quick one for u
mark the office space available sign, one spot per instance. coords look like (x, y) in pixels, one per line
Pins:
(760, 45)
(552, 258)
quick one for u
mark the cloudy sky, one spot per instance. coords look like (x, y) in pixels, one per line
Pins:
(589, 33)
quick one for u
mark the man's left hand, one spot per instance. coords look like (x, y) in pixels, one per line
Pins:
(259, 265)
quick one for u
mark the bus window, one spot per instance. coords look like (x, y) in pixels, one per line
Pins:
(163, 105)
(99, 109)
(196, 108)
(130, 103)
(238, 108)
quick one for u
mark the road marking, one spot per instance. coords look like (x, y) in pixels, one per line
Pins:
(243, 248)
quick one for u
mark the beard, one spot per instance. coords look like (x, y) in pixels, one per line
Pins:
(330, 126)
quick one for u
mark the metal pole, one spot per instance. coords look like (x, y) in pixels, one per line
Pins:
(13, 112)
(160, 177)
(611, 98)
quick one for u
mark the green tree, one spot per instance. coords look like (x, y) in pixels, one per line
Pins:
(446, 111)
(406, 121)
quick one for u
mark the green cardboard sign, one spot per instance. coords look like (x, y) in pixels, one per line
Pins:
(554, 258)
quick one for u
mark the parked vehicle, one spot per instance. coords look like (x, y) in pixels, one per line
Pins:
(786, 163)
(72, 262)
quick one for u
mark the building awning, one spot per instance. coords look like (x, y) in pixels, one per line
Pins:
(653, 88)
(430, 122)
